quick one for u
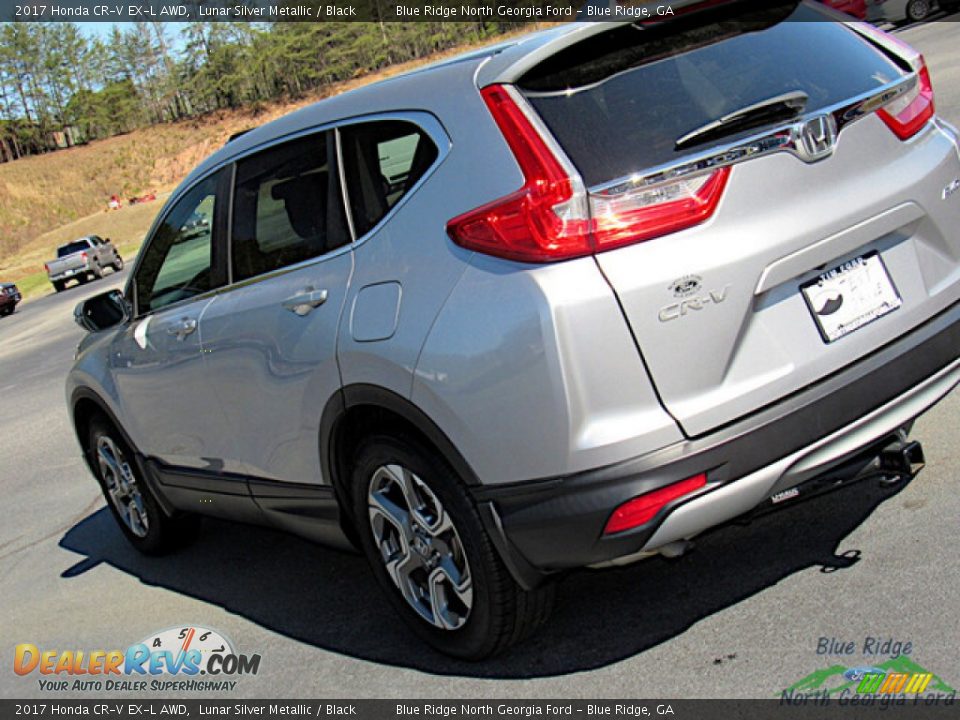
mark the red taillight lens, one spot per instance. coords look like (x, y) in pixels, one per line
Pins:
(910, 112)
(552, 217)
(83, 256)
(547, 218)
(642, 509)
(643, 214)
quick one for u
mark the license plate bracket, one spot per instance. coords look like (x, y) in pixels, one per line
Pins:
(850, 296)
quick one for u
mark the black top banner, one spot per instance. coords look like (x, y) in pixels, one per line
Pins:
(318, 10)
(472, 11)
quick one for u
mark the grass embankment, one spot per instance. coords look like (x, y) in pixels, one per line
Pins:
(47, 200)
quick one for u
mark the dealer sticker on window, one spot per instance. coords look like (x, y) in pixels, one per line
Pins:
(850, 296)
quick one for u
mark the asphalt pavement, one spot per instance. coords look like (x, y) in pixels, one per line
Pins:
(742, 616)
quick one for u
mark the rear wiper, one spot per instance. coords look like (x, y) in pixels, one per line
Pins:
(781, 107)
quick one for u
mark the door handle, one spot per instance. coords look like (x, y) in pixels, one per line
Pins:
(184, 327)
(305, 301)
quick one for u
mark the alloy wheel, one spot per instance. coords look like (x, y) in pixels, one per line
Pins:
(420, 547)
(122, 487)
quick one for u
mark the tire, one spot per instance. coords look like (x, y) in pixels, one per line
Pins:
(918, 10)
(58, 286)
(118, 264)
(132, 504)
(97, 272)
(6, 311)
(950, 7)
(482, 610)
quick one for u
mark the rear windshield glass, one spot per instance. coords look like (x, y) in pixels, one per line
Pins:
(618, 102)
(73, 247)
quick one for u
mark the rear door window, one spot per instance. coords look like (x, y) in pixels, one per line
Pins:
(382, 160)
(618, 102)
(287, 207)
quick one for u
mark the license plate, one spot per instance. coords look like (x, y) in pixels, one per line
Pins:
(850, 296)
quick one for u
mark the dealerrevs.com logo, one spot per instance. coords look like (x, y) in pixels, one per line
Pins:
(187, 658)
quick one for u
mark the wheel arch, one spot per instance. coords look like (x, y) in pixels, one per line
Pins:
(360, 410)
(85, 404)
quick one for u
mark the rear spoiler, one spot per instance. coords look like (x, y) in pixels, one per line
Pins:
(890, 44)
(517, 60)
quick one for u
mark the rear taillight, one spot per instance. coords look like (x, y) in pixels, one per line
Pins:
(643, 508)
(83, 256)
(642, 214)
(911, 111)
(547, 218)
(552, 217)
(46, 268)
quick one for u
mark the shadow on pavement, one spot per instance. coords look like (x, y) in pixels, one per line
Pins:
(329, 599)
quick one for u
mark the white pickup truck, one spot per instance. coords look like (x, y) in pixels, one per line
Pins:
(84, 259)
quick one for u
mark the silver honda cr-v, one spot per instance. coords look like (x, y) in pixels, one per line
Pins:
(565, 302)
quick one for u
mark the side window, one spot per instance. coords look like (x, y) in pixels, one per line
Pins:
(287, 206)
(95, 239)
(178, 262)
(382, 160)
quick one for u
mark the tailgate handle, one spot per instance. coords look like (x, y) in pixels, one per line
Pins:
(305, 301)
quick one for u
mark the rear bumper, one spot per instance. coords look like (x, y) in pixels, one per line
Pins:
(557, 523)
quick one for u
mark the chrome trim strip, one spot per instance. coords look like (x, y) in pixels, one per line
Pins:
(345, 196)
(783, 138)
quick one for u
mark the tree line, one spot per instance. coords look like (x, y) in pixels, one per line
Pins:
(53, 77)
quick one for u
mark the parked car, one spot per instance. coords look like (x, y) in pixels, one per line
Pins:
(82, 260)
(565, 302)
(855, 8)
(9, 297)
(898, 11)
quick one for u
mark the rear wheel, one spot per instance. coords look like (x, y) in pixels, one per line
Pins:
(58, 285)
(148, 528)
(97, 272)
(950, 7)
(118, 264)
(918, 10)
(430, 554)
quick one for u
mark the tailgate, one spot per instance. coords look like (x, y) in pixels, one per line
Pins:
(718, 310)
(65, 264)
(857, 215)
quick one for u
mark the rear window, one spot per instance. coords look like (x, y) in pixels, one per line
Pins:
(72, 248)
(618, 102)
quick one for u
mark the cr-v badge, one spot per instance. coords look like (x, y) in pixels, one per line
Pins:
(699, 302)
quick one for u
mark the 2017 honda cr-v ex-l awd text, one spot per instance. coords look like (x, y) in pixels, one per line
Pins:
(564, 302)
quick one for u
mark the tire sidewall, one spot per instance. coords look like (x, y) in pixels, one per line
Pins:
(472, 639)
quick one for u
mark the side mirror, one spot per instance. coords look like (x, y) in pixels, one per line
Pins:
(102, 311)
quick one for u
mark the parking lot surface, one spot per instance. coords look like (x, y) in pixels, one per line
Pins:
(744, 615)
